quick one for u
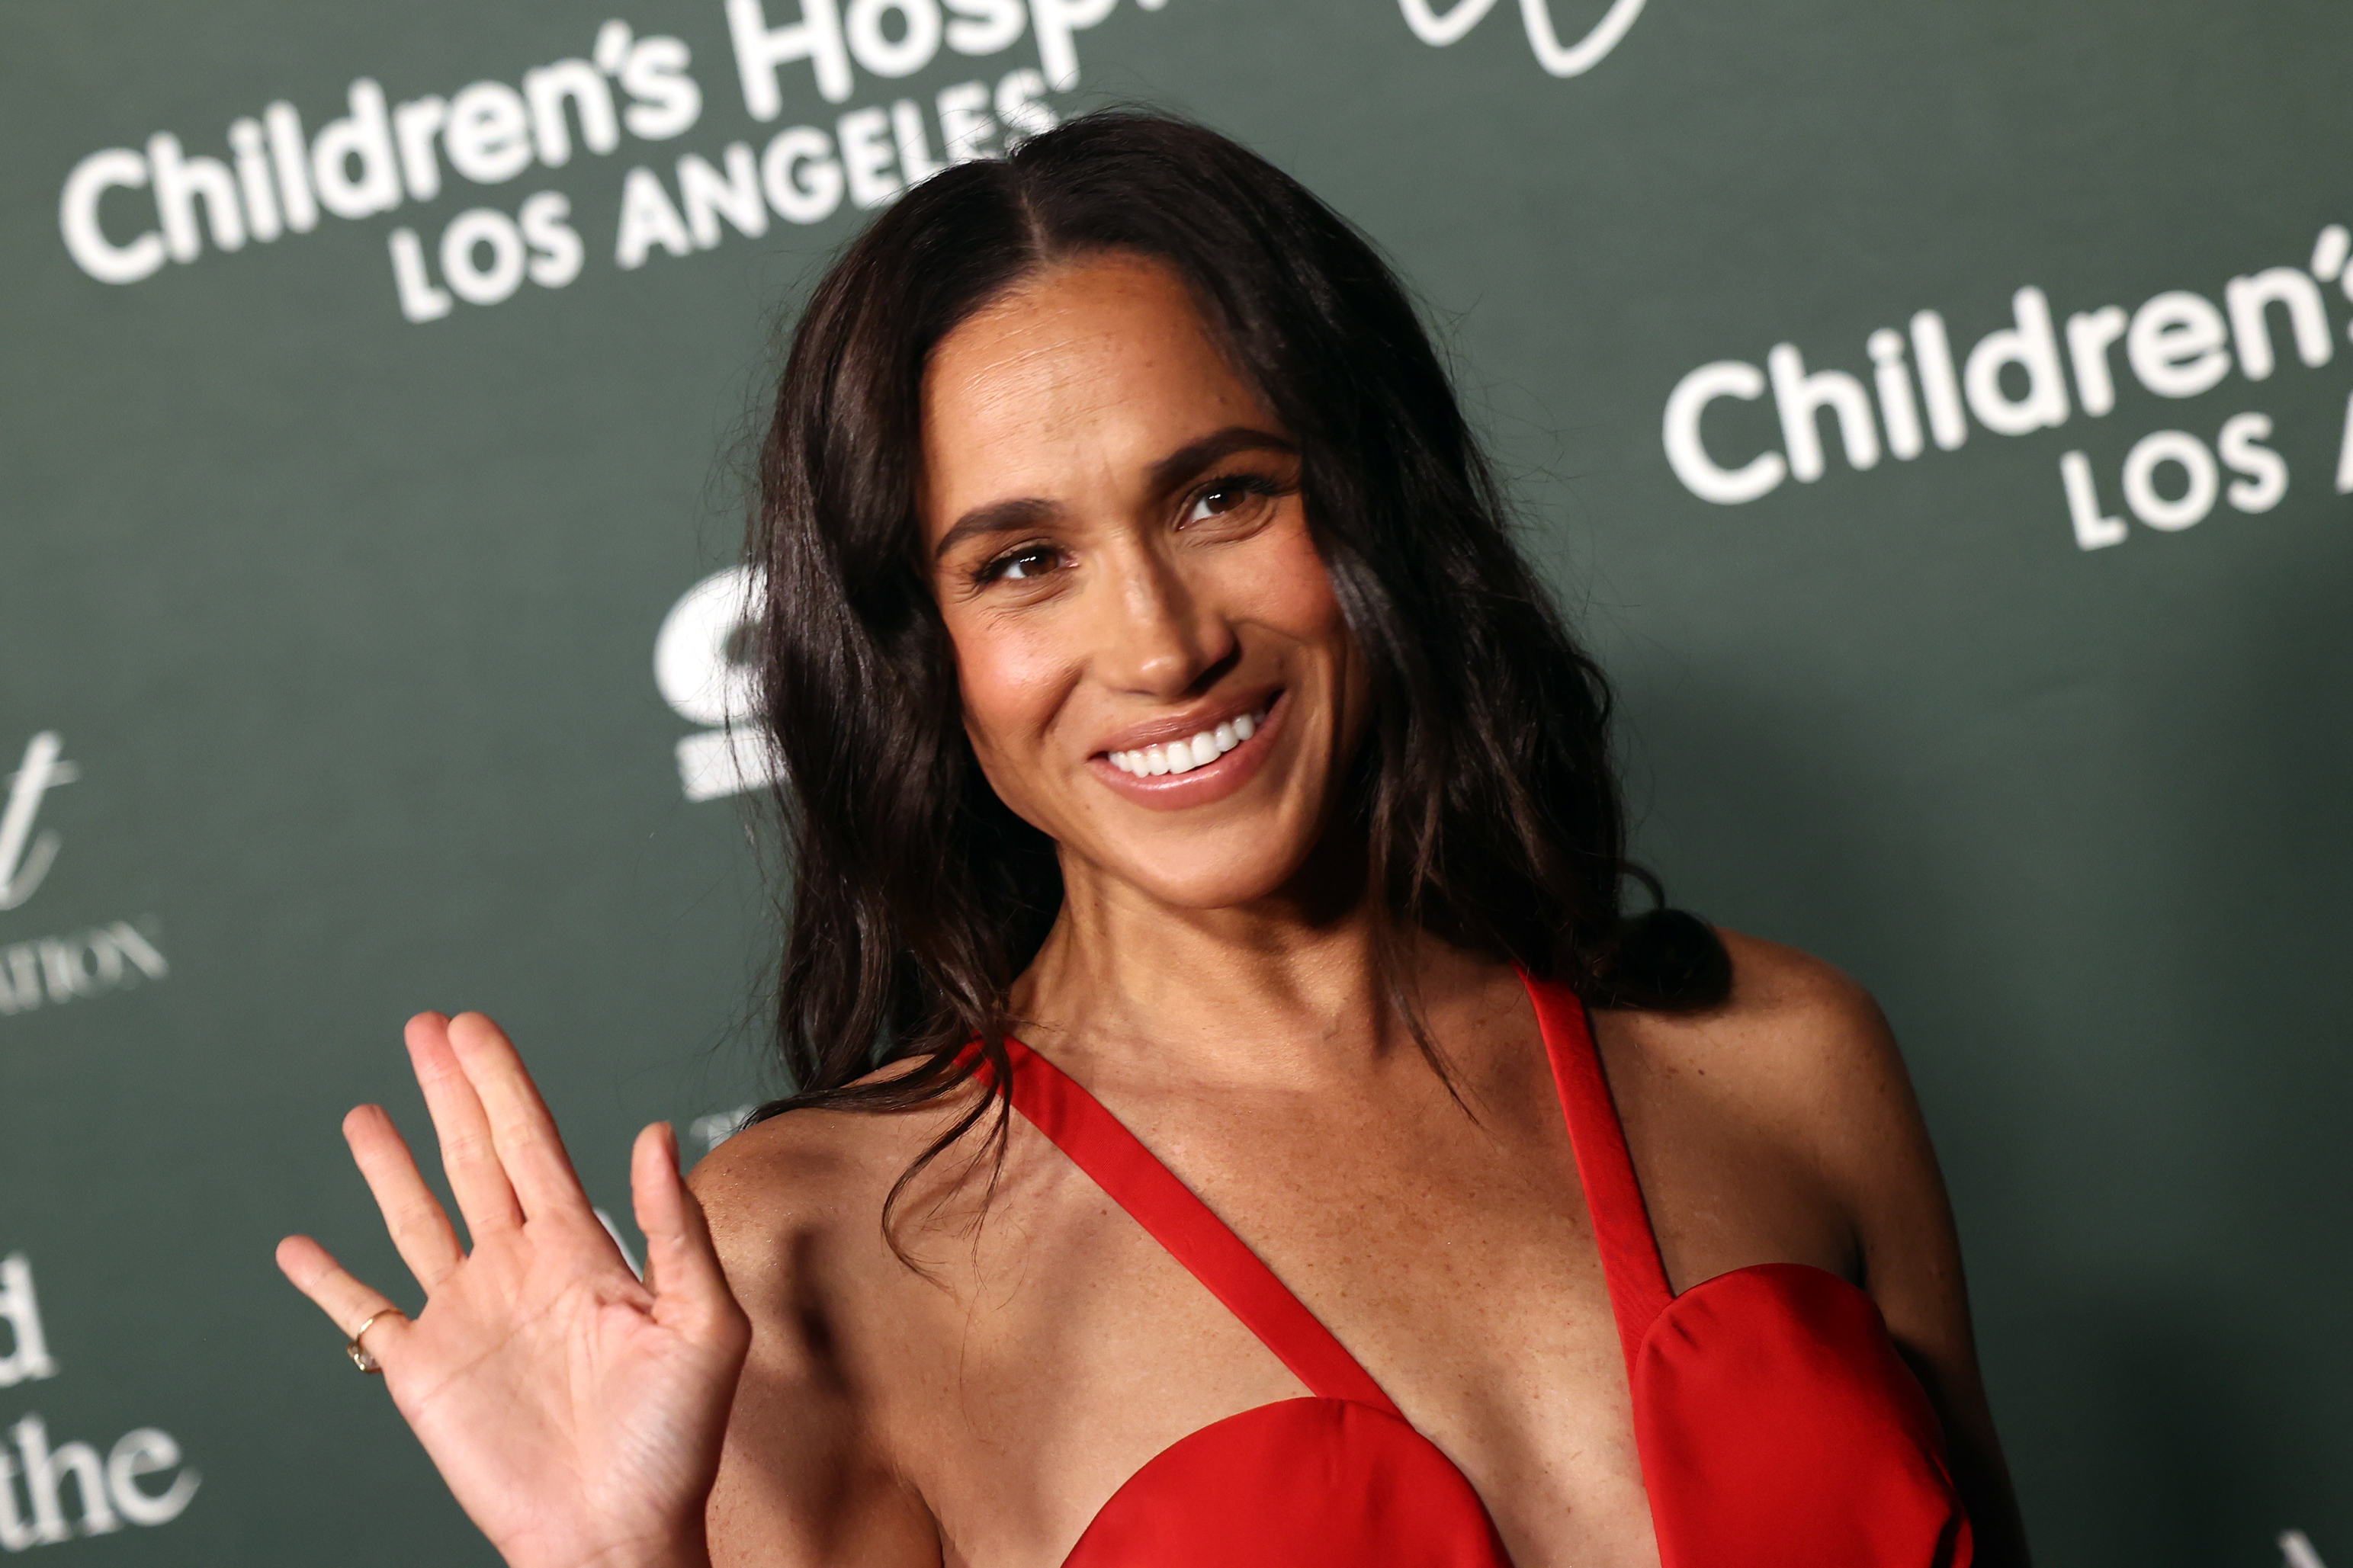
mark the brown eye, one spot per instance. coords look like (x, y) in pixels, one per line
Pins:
(1219, 496)
(1023, 565)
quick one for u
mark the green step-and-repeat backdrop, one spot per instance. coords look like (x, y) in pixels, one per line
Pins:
(1937, 417)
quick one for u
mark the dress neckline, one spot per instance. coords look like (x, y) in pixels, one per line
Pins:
(1173, 1215)
(1760, 1396)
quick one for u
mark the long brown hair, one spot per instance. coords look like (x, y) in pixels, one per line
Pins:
(1485, 798)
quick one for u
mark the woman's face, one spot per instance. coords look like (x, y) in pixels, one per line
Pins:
(1154, 669)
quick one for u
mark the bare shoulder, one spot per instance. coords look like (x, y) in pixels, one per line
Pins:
(1799, 1052)
(1793, 1027)
(1772, 977)
(806, 1191)
(784, 1176)
(812, 1469)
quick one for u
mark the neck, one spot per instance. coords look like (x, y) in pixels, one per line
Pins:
(1286, 992)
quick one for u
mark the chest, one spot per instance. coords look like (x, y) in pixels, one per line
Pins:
(1447, 1244)
(1453, 1258)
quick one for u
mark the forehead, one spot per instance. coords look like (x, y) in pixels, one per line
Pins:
(1089, 371)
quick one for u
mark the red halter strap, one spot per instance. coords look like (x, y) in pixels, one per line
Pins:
(1630, 1251)
(1077, 1123)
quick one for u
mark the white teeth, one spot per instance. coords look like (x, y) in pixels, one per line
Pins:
(1184, 756)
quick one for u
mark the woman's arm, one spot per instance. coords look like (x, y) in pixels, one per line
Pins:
(1838, 1058)
(806, 1479)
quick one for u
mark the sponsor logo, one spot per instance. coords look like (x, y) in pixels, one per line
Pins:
(125, 213)
(53, 970)
(703, 669)
(1536, 16)
(24, 858)
(139, 1480)
(2034, 373)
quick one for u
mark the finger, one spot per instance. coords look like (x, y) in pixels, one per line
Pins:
(681, 1265)
(469, 1153)
(524, 1133)
(419, 1227)
(347, 1302)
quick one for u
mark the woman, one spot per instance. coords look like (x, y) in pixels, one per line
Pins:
(1168, 714)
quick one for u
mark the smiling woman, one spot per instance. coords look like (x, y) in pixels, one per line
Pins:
(1204, 829)
(1267, 442)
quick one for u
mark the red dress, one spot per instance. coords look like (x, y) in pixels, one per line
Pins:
(1777, 1424)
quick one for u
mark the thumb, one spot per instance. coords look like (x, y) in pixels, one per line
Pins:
(682, 1263)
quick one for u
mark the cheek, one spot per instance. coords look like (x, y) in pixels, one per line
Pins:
(1009, 681)
(1288, 589)
(1291, 592)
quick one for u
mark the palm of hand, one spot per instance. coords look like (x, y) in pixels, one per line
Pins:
(575, 1413)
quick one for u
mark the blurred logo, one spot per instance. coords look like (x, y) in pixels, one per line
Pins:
(24, 860)
(1544, 38)
(138, 1480)
(704, 667)
(54, 970)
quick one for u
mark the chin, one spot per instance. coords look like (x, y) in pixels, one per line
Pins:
(1229, 884)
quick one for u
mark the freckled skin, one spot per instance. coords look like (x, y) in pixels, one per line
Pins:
(1209, 980)
(1122, 557)
(1072, 389)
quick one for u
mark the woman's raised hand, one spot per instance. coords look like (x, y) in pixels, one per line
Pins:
(575, 1413)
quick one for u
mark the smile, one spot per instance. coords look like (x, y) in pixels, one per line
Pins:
(1177, 771)
(1197, 751)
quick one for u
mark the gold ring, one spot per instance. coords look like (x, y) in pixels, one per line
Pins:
(358, 1352)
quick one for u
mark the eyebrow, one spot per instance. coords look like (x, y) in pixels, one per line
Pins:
(1188, 460)
(1020, 515)
(998, 517)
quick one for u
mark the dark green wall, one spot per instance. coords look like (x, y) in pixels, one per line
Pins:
(346, 626)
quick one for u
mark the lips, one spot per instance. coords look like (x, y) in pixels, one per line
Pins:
(1198, 750)
(1177, 763)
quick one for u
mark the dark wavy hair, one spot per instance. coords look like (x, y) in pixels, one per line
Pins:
(1486, 801)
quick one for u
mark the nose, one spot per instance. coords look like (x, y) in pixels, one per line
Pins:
(1157, 636)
